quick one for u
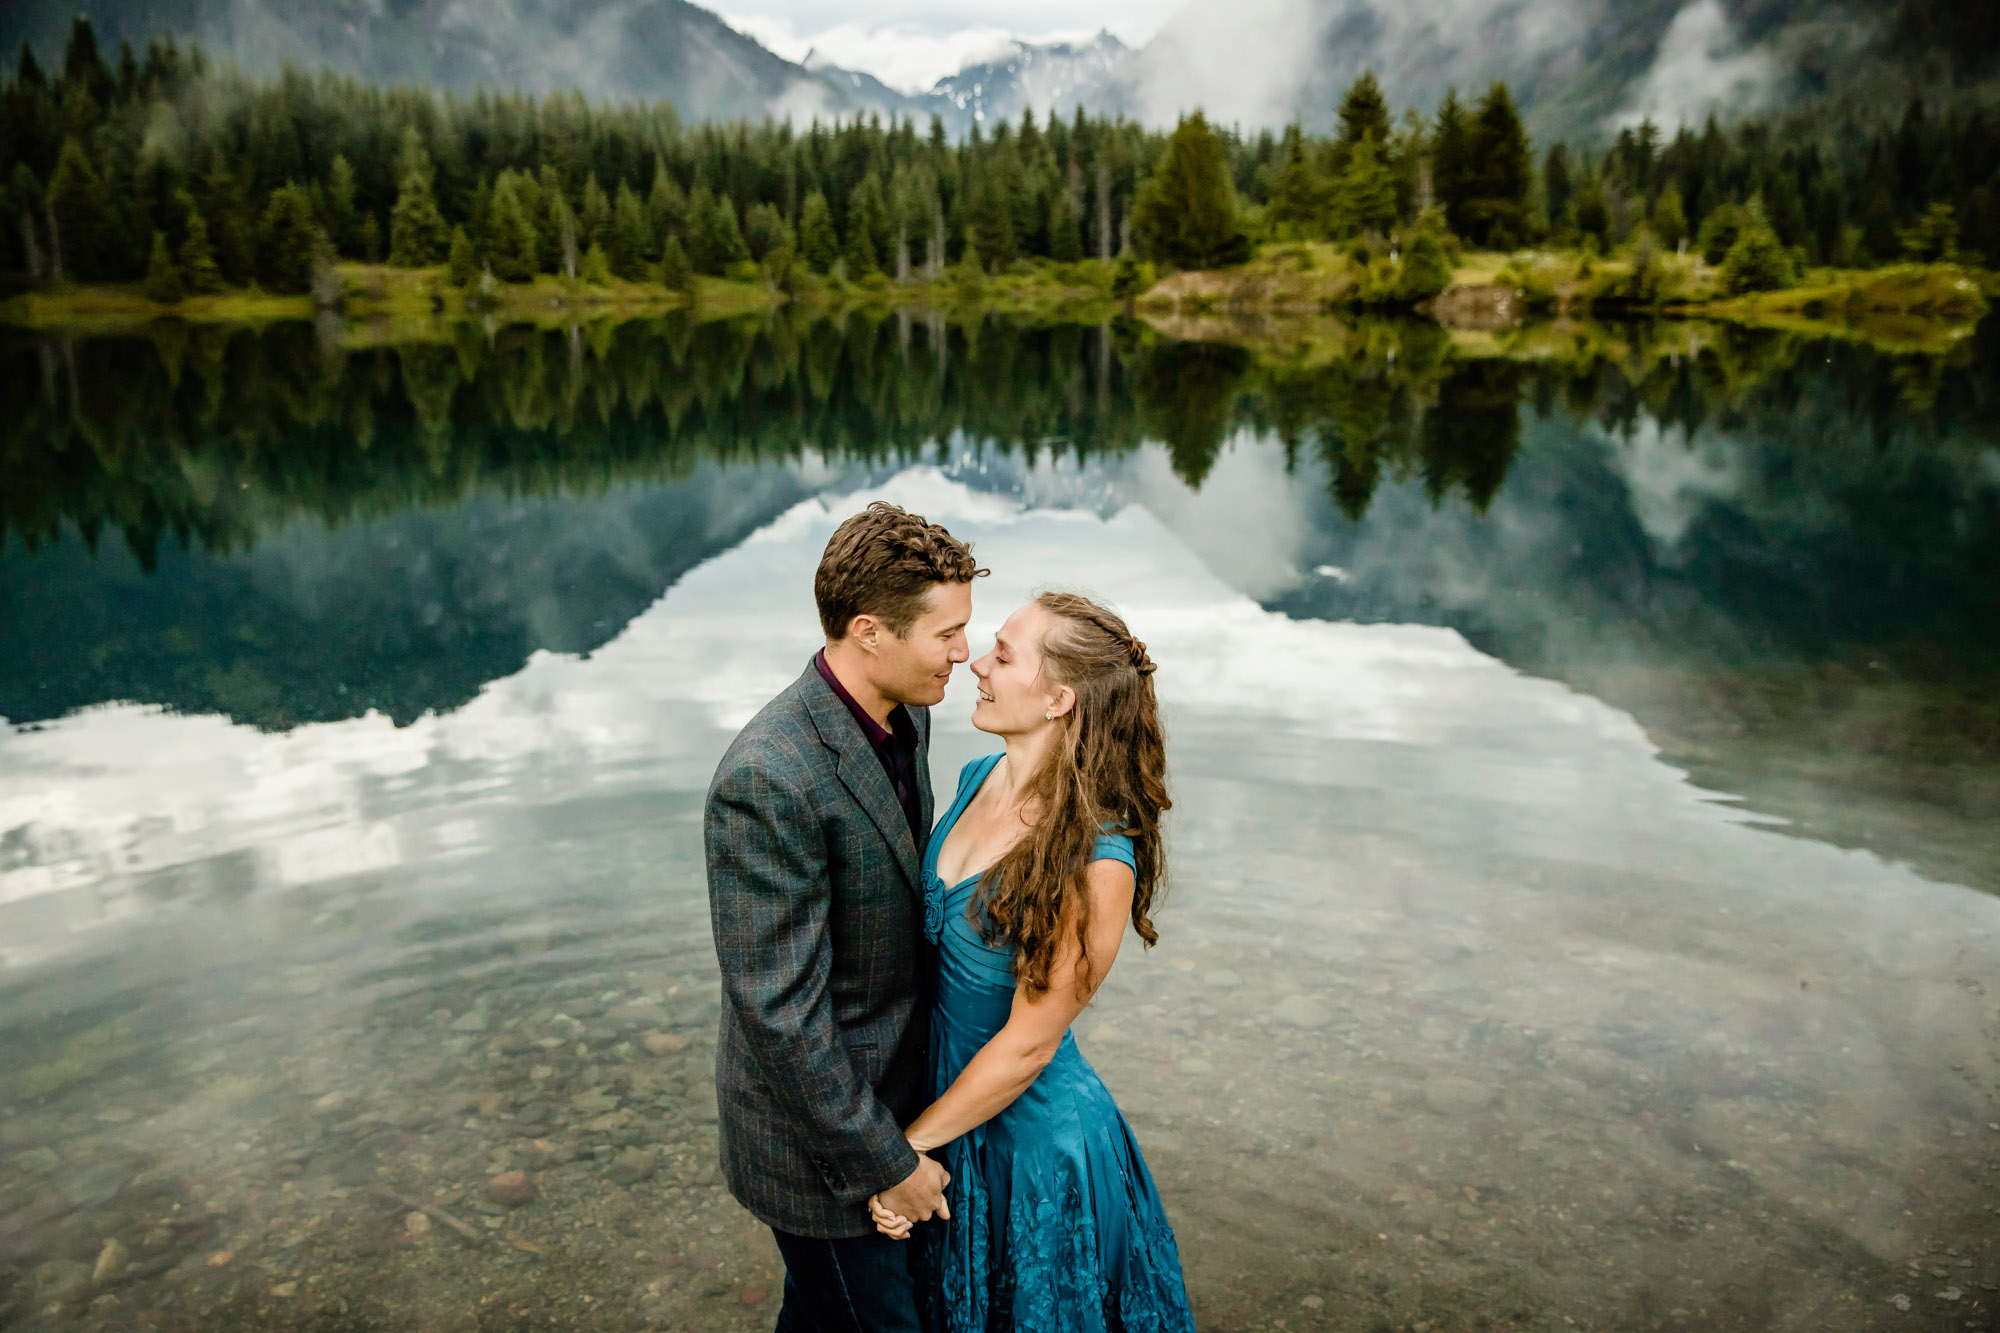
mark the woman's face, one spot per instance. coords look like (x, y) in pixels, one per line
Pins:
(1014, 700)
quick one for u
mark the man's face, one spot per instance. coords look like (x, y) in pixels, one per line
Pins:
(915, 668)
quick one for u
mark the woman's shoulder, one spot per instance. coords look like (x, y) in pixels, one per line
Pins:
(1113, 846)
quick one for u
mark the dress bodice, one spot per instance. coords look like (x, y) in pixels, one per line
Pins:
(964, 956)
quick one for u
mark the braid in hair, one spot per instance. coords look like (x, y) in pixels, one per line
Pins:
(1107, 773)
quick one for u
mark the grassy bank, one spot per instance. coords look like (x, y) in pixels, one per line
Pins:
(1911, 307)
(377, 295)
(1279, 296)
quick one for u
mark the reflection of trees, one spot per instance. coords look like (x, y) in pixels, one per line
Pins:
(202, 436)
(1187, 392)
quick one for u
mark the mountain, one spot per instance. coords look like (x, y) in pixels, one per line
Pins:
(1579, 68)
(607, 49)
(1057, 75)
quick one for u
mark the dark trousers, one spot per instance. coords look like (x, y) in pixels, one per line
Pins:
(857, 1284)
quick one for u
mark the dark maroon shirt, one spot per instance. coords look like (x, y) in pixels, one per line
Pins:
(895, 746)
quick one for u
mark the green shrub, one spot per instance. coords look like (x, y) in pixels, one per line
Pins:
(1758, 261)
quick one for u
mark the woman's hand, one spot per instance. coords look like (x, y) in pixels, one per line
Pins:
(887, 1222)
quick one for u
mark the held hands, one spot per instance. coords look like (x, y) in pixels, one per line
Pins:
(918, 1199)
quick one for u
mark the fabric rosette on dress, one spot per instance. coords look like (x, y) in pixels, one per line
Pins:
(934, 892)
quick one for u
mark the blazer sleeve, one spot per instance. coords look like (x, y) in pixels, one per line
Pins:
(769, 896)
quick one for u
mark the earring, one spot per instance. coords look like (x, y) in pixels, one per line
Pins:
(1048, 717)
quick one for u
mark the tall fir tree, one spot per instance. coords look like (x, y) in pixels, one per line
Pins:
(819, 244)
(1496, 211)
(631, 236)
(1452, 162)
(462, 264)
(198, 267)
(76, 209)
(1186, 213)
(1364, 114)
(1298, 192)
(288, 241)
(1365, 198)
(163, 278)
(512, 249)
(417, 232)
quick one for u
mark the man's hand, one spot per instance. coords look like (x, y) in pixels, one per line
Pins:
(918, 1199)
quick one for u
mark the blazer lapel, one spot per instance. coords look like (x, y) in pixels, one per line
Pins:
(861, 773)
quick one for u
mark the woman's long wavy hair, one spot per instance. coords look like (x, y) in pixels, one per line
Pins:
(1107, 771)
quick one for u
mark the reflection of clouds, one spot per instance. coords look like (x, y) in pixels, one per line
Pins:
(1244, 522)
(114, 795)
(1671, 478)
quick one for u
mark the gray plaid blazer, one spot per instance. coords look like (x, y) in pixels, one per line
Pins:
(815, 891)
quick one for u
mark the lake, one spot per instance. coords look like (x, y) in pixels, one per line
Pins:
(1585, 895)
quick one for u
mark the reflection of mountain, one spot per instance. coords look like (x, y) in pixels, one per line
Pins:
(391, 529)
(403, 614)
(1798, 606)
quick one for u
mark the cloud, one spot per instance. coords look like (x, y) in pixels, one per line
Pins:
(910, 46)
(902, 56)
(1701, 66)
(1260, 62)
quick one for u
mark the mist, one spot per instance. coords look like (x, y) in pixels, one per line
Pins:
(1702, 66)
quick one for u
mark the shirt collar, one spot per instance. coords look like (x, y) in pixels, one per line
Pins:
(901, 730)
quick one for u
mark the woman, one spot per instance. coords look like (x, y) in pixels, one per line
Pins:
(1048, 850)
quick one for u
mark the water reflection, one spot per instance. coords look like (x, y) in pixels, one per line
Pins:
(352, 857)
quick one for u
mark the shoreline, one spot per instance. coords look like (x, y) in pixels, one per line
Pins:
(1288, 289)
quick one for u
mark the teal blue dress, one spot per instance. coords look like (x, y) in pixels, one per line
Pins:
(1055, 1224)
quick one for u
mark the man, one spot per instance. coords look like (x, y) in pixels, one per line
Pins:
(815, 833)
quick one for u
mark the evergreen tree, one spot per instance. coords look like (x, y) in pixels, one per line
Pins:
(1364, 113)
(1365, 199)
(1556, 183)
(631, 236)
(1452, 163)
(1065, 234)
(512, 248)
(198, 270)
(992, 232)
(1719, 231)
(674, 269)
(1186, 213)
(595, 216)
(1588, 215)
(417, 232)
(596, 268)
(83, 65)
(864, 208)
(342, 226)
(76, 208)
(1298, 192)
(1502, 172)
(462, 268)
(819, 245)
(1669, 222)
(163, 280)
(288, 242)
(666, 205)
(764, 230)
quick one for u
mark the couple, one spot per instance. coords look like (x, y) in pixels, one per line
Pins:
(901, 1101)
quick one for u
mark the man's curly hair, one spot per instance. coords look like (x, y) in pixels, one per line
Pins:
(883, 562)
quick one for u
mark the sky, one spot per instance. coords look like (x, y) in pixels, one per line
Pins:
(911, 44)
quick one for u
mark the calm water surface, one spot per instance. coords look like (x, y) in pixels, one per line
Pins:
(1585, 906)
